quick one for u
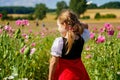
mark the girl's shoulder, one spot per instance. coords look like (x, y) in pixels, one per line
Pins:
(58, 39)
(56, 49)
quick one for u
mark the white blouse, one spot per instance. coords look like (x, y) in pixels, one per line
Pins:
(56, 49)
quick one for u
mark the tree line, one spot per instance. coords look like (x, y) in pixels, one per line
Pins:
(17, 9)
(40, 10)
(109, 5)
(27, 10)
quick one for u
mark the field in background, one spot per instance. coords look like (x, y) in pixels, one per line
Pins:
(50, 20)
(92, 12)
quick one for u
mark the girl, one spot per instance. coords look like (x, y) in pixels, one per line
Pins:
(66, 50)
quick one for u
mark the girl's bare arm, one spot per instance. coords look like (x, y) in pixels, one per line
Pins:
(52, 67)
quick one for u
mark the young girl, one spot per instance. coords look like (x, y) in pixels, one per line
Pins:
(66, 50)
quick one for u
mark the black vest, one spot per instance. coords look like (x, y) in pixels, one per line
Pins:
(75, 51)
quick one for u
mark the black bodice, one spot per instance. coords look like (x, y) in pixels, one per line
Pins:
(75, 51)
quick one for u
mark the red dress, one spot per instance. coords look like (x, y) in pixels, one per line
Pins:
(70, 67)
(70, 70)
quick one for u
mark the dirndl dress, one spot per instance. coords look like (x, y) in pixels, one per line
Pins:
(70, 66)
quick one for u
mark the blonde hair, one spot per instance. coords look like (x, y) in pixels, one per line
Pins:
(71, 20)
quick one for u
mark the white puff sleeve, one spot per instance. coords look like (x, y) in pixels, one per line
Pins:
(86, 35)
(56, 49)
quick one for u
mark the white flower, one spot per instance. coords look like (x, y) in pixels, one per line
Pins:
(5, 78)
(26, 37)
(118, 73)
(11, 77)
(14, 74)
(32, 50)
(112, 66)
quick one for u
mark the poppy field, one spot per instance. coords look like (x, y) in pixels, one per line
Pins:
(24, 55)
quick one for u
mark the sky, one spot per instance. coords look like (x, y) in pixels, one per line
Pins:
(49, 3)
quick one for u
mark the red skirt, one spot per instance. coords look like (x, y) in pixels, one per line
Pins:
(70, 70)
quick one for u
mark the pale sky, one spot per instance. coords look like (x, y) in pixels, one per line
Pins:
(49, 3)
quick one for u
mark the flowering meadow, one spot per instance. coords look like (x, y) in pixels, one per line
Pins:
(25, 55)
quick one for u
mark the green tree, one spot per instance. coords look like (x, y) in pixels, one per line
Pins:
(60, 5)
(4, 15)
(40, 11)
(78, 6)
(97, 16)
